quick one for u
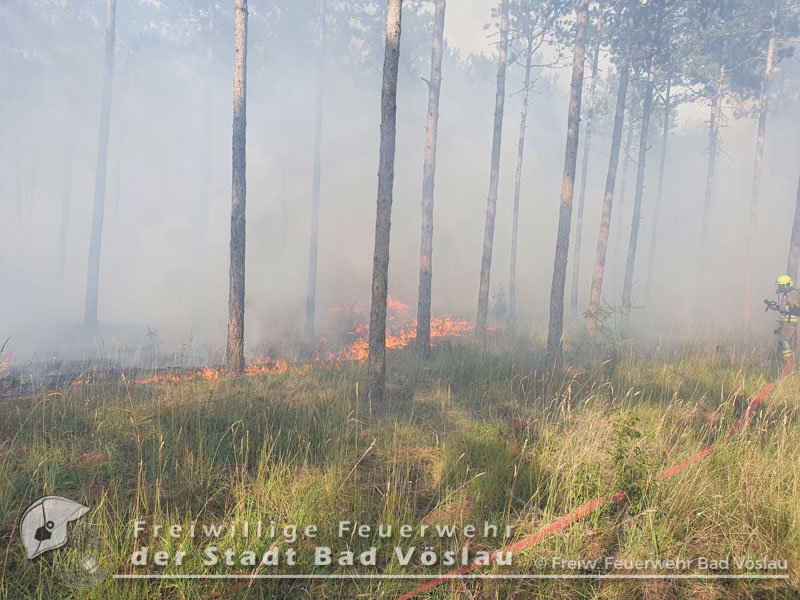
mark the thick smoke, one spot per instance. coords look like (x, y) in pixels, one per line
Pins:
(165, 245)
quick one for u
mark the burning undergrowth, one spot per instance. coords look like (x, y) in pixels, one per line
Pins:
(343, 340)
(401, 329)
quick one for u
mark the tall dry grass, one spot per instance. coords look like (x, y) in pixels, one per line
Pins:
(476, 435)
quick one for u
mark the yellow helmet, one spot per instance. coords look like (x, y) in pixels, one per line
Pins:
(785, 281)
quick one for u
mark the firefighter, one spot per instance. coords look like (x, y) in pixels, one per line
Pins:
(789, 306)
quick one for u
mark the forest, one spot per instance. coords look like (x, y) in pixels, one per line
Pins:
(409, 298)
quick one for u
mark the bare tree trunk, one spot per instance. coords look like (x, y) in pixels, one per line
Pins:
(752, 231)
(208, 145)
(234, 355)
(556, 328)
(311, 295)
(380, 262)
(512, 280)
(494, 176)
(623, 186)
(93, 275)
(611, 177)
(794, 243)
(429, 170)
(576, 257)
(66, 197)
(628, 145)
(651, 261)
(713, 138)
(627, 287)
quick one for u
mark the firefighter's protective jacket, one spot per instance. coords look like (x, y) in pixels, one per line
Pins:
(790, 306)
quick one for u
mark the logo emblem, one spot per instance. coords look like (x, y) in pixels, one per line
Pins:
(84, 562)
(44, 524)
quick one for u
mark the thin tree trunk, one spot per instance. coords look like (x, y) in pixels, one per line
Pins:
(234, 355)
(66, 197)
(512, 280)
(623, 185)
(627, 288)
(713, 137)
(311, 295)
(611, 177)
(794, 243)
(93, 274)
(556, 327)
(576, 257)
(429, 170)
(651, 261)
(713, 132)
(207, 160)
(380, 262)
(752, 231)
(494, 176)
(208, 145)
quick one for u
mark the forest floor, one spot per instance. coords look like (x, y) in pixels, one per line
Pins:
(473, 436)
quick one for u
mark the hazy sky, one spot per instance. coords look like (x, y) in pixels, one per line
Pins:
(464, 24)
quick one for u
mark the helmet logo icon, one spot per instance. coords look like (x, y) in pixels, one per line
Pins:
(44, 524)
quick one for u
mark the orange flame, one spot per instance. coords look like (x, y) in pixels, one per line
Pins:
(401, 330)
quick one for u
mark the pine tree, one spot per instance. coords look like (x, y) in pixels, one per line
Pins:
(234, 355)
(625, 22)
(494, 176)
(627, 289)
(567, 185)
(587, 143)
(95, 242)
(428, 173)
(380, 265)
(311, 289)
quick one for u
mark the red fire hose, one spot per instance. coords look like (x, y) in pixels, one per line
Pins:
(586, 509)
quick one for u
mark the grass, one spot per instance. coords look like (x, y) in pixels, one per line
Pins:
(475, 436)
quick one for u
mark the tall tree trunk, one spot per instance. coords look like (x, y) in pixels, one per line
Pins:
(576, 257)
(713, 137)
(752, 230)
(512, 280)
(93, 275)
(494, 176)
(567, 184)
(234, 355)
(380, 262)
(611, 177)
(623, 185)
(311, 295)
(208, 145)
(651, 261)
(627, 288)
(428, 172)
(794, 243)
(66, 197)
